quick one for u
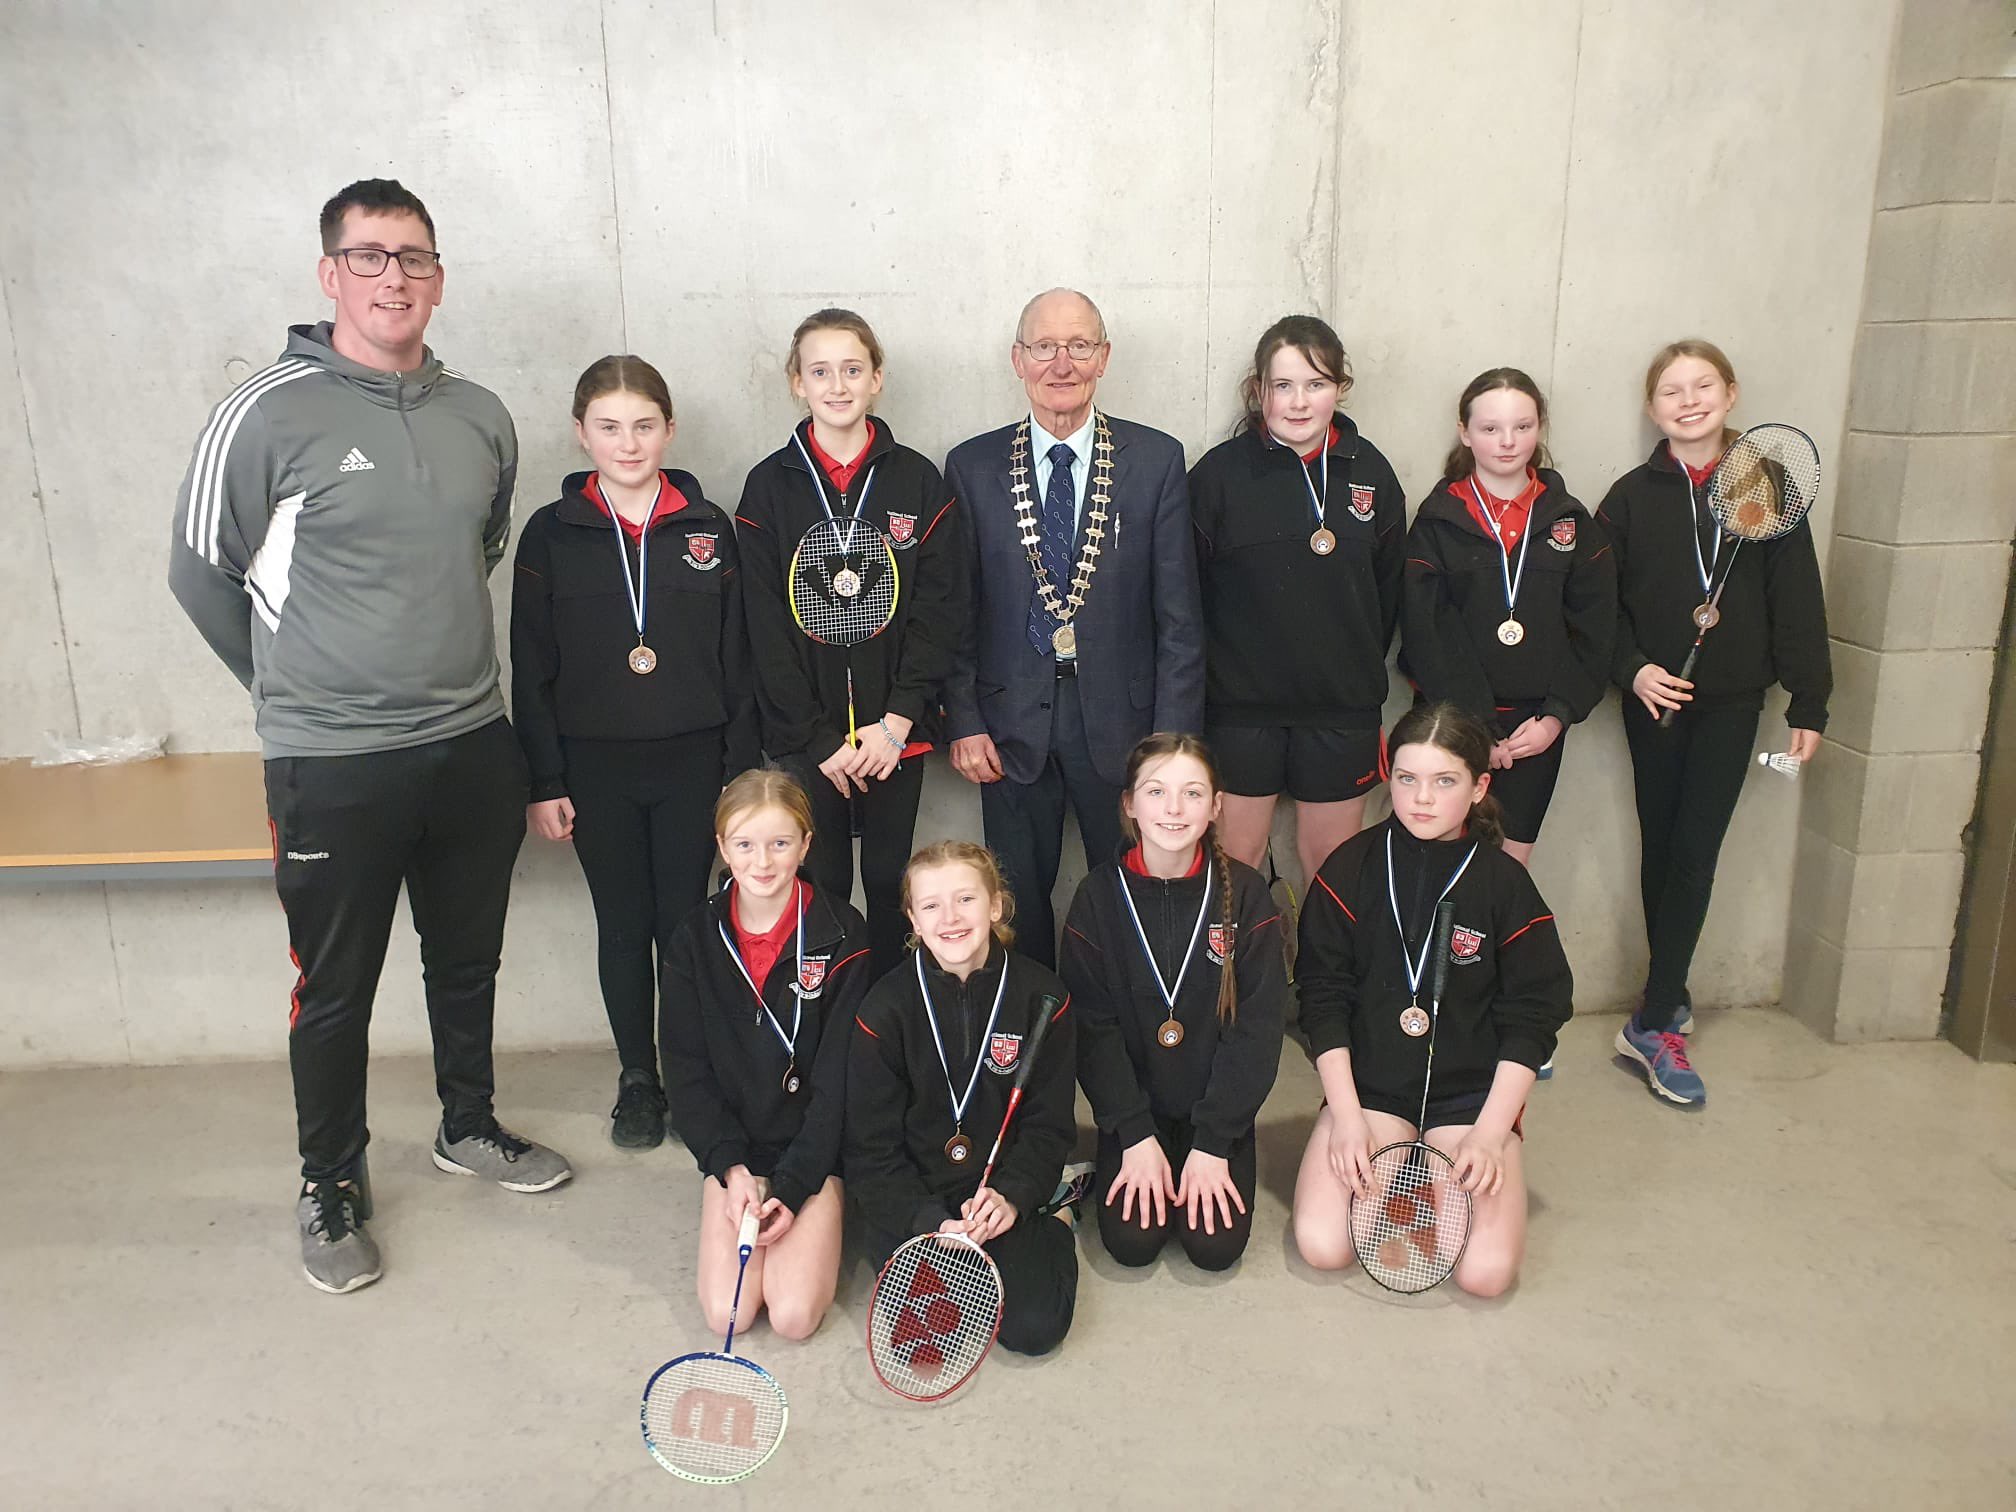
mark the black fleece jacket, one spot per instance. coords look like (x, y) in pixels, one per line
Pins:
(1509, 989)
(1454, 602)
(572, 632)
(899, 1110)
(1774, 614)
(1290, 637)
(801, 686)
(1217, 1078)
(724, 1066)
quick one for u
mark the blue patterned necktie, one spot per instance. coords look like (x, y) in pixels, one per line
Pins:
(1059, 527)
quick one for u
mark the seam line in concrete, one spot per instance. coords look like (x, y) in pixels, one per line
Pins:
(42, 509)
(118, 976)
(1953, 320)
(615, 202)
(1567, 195)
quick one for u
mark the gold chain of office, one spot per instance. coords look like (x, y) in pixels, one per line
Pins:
(1064, 639)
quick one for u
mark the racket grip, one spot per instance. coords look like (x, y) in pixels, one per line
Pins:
(1048, 1007)
(1686, 674)
(745, 1240)
(1445, 931)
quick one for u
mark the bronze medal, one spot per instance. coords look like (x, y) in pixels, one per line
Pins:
(792, 1081)
(1511, 632)
(643, 659)
(1064, 640)
(847, 583)
(958, 1149)
(1413, 1021)
(1323, 542)
(1707, 617)
(1170, 1035)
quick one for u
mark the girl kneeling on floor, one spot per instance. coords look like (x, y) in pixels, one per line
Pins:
(939, 1042)
(1364, 936)
(761, 986)
(1173, 956)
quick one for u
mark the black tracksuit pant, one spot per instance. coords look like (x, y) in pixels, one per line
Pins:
(1131, 1244)
(1038, 1262)
(644, 835)
(1687, 780)
(888, 813)
(444, 819)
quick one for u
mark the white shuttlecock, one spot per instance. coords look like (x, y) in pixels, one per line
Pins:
(1779, 762)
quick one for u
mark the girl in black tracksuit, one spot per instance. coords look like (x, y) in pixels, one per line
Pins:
(840, 461)
(1772, 629)
(923, 1108)
(761, 985)
(1531, 667)
(1173, 956)
(1366, 991)
(631, 694)
(1300, 526)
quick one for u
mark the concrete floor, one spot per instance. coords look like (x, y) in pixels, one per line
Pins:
(1718, 1310)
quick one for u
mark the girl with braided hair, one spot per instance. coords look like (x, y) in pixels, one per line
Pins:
(1172, 952)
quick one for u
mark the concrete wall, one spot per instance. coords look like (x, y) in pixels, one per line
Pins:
(1560, 185)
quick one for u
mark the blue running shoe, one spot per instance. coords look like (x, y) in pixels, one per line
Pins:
(1546, 1072)
(1662, 1054)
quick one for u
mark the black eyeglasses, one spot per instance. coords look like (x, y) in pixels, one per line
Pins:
(369, 262)
(1079, 350)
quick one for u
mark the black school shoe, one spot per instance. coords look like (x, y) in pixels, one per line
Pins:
(638, 1119)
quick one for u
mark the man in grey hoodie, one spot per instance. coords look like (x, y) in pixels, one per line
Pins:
(333, 540)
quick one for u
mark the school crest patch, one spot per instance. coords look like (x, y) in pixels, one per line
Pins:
(1003, 1051)
(1464, 944)
(812, 975)
(1561, 534)
(700, 551)
(902, 530)
(1361, 501)
(1218, 940)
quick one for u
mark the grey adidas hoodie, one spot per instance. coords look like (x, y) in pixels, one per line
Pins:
(333, 541)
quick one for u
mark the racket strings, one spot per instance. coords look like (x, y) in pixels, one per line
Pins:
(1411, 1230)
(1765, 484)
(933, 1317)
(843, 582)
(713, 1417)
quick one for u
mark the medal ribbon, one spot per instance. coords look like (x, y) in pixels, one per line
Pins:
(1417, 966)
(1162, 986)
(986, 1037)
(1512, 578)
(634, 595)
(1705, 568)
(790, 1041)
(1317, 503)
(849, 535)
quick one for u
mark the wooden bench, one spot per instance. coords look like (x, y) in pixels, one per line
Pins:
(196, 815)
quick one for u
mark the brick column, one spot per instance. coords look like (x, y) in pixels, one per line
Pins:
(1918, 571)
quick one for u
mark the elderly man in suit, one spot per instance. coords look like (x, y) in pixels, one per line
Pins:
(1085, 632)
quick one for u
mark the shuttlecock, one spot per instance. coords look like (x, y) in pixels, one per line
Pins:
(1779, 762)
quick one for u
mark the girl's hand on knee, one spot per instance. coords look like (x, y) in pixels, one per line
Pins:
(1351, 1150)
(1144, 1183)
(776, 1220)
(1480, 1162)
(1207, 1185)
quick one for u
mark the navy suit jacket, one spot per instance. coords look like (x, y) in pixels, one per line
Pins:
(1140, 630)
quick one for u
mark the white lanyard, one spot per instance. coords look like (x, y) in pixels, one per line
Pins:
(1162, 986)
(1317, 502)
(986, 1036)
(819, 481)
(790, 1041)
(1417, 966)
(1512, 578)
(1705, 568)
(634, 594)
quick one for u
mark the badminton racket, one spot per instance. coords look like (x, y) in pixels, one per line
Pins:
(843, 586)
(715, 1418)
(937, 1304)
(1760, 490)
(1410, 1230)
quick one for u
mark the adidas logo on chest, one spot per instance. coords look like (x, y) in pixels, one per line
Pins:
(355, 461)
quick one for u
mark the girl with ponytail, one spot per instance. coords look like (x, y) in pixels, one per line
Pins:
(1172, 952)
(1364, 980)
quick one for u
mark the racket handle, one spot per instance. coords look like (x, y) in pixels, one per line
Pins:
(1686, 673)
(745, 1240)
(1445, 931)
(1048, 1006)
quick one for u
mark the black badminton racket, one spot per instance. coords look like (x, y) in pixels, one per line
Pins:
(843, 585)
(1760, 490)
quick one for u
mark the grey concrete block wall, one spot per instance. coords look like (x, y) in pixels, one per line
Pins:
(1919, 569)
(685, 181)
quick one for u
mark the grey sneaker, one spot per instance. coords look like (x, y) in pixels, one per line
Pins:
(517, 1165)
(336, 1254)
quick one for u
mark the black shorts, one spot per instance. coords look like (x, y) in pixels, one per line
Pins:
(1525, 788)
(1310, 764)
(1457, 1110)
